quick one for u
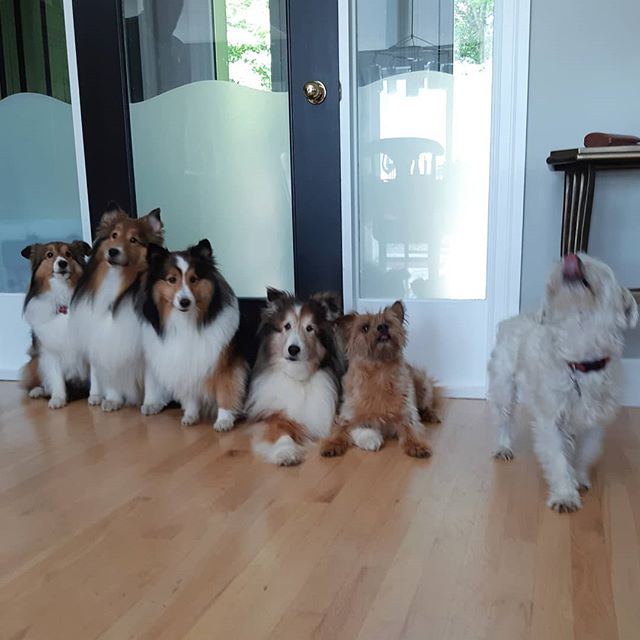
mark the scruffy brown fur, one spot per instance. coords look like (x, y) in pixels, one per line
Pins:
(43, 258)
(383, 395)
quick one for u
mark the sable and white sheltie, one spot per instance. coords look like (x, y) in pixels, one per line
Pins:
(190, 325)
(295, 384)
(384, 396)
(103, 315)
(56, 365)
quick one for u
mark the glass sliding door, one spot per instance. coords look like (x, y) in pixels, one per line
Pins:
(39, 188)
(423, 100)
(209, 121)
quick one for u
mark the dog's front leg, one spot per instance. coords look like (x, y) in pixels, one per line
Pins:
(552, 444)
(154, 395)
(588, 448)
(53, 377)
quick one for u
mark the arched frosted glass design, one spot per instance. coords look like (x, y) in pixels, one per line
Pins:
(210, 130)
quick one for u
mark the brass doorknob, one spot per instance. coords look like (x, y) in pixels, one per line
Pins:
(314, 91)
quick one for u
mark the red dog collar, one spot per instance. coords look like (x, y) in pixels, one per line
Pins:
(62, 308)
(593, 365)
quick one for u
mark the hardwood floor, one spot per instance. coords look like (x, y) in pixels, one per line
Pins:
(116, 526)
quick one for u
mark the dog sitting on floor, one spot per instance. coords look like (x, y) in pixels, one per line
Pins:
(103, 316)
(190, 319)
(564, 363)
(295, 384)
(384, 396)
(56, 366)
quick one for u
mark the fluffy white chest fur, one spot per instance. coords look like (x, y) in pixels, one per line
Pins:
(311, 401)
(52, 329)
(185, 354)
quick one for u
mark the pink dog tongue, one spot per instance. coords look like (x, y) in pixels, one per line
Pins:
(572, 267)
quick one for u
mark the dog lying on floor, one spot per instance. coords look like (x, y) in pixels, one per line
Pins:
(564, 363)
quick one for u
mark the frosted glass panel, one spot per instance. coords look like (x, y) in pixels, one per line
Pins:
(39, 198)
(210, 130)
(220, 169)
(423, 138)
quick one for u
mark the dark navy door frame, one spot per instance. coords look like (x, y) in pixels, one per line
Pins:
(312, 42)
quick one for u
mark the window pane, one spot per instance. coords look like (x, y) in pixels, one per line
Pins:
(423, 133)
(39, 198)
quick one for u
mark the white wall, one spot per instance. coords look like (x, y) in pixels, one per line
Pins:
(584, 75)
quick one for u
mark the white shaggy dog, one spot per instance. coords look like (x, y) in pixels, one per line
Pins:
(564, 363)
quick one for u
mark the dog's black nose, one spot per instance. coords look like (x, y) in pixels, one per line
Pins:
(293, 349)
(113, 252)
(383, 328)
(185, 302)
(63, 264)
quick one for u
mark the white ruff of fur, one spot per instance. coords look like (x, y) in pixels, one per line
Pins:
(60, 357)
(308, 400)
(112, 343)
(182, 358)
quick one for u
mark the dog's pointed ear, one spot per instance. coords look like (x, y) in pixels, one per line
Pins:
(629, 310)
(273, 295)
(398, 310)
(154, 226)
(330, 303)
(109, 216)
(155, 253)
(202, 250)
(28, 251)
(81, 247)
(345, 323)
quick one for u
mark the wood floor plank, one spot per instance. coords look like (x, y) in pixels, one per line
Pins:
(120, 527)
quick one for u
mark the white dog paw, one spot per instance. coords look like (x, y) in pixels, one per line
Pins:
(367, 439)
(287, 454)
(151, 409)
(224, 423)
(189, 419)
(57, 402)
(112, 405)
(94, 400)
(37, 392)
(503, 453)
(565, 503)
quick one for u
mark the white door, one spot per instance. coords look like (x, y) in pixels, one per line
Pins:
(434, 126)
(42, 191)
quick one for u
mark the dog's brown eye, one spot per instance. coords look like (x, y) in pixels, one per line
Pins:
(68, 254)
(133, 240)
(309, 328)
(49, 254)
(365, 328)
(114, 235)
(287, 326)
(193, 279)
(172, 279)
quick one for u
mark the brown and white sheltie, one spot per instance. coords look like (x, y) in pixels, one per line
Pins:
(56, 362)
(190, 325)
(295, 384)
(103, 315)
(384, 396)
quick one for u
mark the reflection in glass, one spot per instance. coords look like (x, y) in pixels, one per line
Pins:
(39, 198)
(423, 132)
(210, 130)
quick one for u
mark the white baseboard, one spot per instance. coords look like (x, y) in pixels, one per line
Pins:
(473, 393)
(9, 374)
(631, 392)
